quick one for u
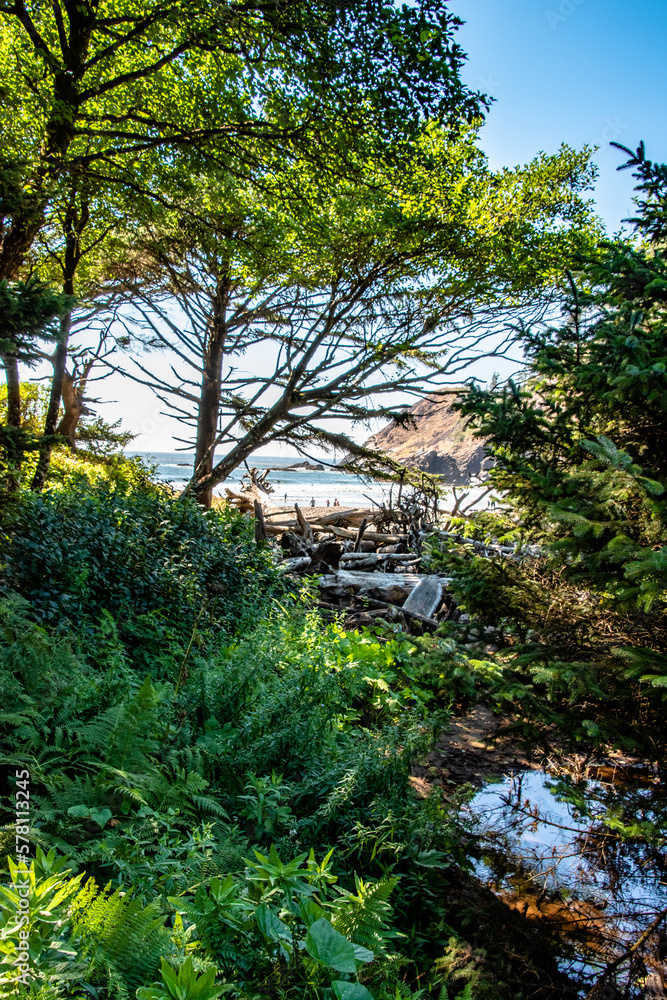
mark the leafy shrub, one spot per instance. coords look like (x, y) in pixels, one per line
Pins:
(152, 562)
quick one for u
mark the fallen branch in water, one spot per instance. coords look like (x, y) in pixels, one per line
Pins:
(597, 990)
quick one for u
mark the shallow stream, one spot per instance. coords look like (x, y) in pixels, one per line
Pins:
(586, 859)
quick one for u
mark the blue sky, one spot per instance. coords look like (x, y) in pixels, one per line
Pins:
(575, 71)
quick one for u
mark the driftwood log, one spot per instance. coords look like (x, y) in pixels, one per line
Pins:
(391, 587)
(376, 578)
(426, 598)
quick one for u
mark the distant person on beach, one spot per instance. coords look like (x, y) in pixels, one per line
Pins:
(328, 503)
(285, 498)
(312, 502)
(336, 504)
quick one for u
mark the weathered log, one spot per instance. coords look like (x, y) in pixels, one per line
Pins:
(244, 500)
(426, 598)
(372, 536)
(378, 557)
(273, 529)
(326, 556)
(297, 564)
(390, 612)
(395, 588)
(287, 520)
(374, 603)
(292, 544)
(241, 501)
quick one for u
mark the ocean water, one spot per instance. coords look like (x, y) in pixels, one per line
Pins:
(299, 486)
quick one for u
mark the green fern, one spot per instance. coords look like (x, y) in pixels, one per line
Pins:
(118, 934)
(227, 857)
(219, 914)
(364, 918)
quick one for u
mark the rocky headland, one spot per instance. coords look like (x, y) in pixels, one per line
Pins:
(438, 442)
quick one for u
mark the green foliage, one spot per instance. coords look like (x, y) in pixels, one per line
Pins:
(178, 764)
(139, 555)
(76, 933)
(365, 916)
(579, 449)
(576, 617)
(43, 923)
(182, 985)
(102, 438)
(34, 401)
(263, 804)
(29, 311)
(281, 911)
(117, 936)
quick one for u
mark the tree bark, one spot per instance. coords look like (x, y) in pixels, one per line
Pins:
(51, 422)
(74, 225)
(13, 390)
(75, 408)
(209, 397)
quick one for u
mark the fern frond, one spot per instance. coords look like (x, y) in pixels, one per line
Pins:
(364, 918)
(119, 934)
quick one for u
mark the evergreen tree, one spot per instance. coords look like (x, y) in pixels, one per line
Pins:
(579, 455)
(581, 445)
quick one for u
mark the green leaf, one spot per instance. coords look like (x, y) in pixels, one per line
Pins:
(79, 812)
(362, 954)
(270, 924)
(310, 911)
(349, 991)
(326, 945)
(101, 816)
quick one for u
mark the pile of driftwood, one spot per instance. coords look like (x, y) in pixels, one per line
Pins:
(363, 573)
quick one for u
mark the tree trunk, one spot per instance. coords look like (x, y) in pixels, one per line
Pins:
(14, 453)
(75, 408)
(209, 397)
(74, 225)
(51, 422)
(13, 390)
(60, 130)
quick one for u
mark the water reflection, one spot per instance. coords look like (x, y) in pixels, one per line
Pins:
(585, 858)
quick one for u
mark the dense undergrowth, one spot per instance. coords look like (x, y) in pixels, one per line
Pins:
(219, 781)
(219, 795)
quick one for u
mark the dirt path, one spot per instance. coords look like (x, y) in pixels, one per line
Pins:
(468, 752)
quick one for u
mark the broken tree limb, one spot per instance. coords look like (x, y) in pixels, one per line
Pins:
(273, 529)
(244, 500)
(306, 529)
(297, 564)
(371, 536)
(374, 603)
(377, 557)
(360, 534)
(394, 587)
(260, 525)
